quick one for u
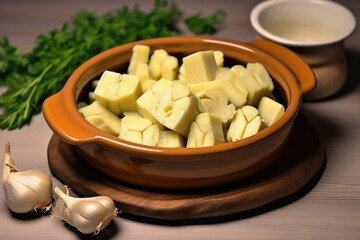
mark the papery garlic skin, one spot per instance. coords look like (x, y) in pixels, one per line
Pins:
(88, 215)
(25, 191)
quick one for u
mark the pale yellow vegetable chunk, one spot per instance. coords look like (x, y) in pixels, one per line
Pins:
(245, 123)
(250, 112)
(200, 67)
(253, 88)
(214, 101)
(211, 97)
(252, 127)
(147, 84)
(181, 75)
(175, 108)
(131, 114)
(151, 135)
(237, 127)
(235, 89)
(145, 101)
(199, 87)
(155, 64)
(262, 75)
(270, 110)
(256, 80)
(170, 68)
(205, 131)
(219, 58)
(140, 54)
(225, 113)
(162, 65)
(101, 117)
(118, 92)
(171, 139)
(139, 130)
(142, 71)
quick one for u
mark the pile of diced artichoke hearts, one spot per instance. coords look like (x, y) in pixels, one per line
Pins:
(194, 103)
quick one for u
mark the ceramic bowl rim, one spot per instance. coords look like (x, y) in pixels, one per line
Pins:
(265, 5)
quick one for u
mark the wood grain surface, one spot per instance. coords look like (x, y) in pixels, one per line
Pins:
(330, 210)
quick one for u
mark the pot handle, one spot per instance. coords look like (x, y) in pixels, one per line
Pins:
(60, 117)
(306, 78)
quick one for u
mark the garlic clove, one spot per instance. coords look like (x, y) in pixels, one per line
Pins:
(91, 216)
(25, 191)
(66, 216)
(88, 215)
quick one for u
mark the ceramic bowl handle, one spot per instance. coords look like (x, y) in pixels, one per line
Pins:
(58, 116)
(306, 78)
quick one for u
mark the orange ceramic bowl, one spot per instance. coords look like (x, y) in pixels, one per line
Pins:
(181, 168)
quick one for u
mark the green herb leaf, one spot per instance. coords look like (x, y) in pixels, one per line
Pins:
(11, 62)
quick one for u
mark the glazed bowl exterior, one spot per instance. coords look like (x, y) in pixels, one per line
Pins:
(181, 168)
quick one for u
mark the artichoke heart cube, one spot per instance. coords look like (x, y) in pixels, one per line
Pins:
(101, 117)
(142, 71)
(250, 112)
(200, 67)
(252, 86)
(176, 108)
(252, 127)
(118, 92)
(270, 110)
(145, 100)
(235, 89)
(237, 127)
(205, 131)
(219, 58)
(214, 101)
(170, 138)
(170, 68)
(261, 74)
(200, 87)
(245, 123)
(140, 54)
(156, 63)
(139, 130)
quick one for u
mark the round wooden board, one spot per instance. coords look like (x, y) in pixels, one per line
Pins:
(299, 166)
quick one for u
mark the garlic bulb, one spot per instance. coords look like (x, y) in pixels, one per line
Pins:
(88, 215)
(25, 191)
